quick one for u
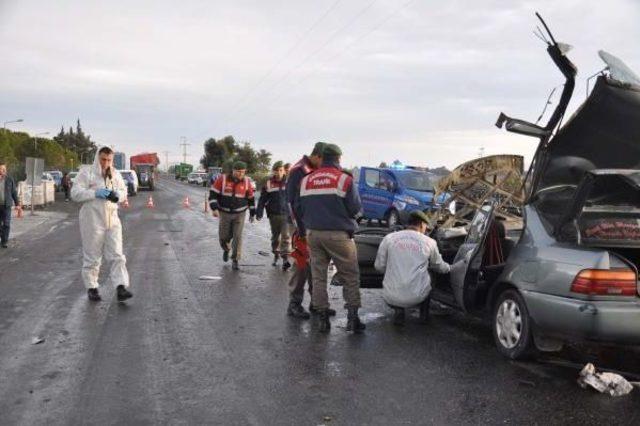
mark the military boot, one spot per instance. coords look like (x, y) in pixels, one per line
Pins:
(314, 311)
(123, 293)
(234, 265)
(275, 260)
(93, 295)
(353, 321)
(296, 310)
(325, 324)
(286, 265)
(398, 316)
(424, 310)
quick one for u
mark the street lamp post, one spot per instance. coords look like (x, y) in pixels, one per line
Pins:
(35, 140)
(4, 125)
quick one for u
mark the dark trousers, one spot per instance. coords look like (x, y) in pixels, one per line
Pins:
(300, 277)
(5, 223)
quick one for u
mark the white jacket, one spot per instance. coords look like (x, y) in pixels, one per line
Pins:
(97, 210)
(405, 257)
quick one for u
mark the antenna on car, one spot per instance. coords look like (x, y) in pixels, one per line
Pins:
(538, 33)
(546, 105)
(601, 72)
(544, 24)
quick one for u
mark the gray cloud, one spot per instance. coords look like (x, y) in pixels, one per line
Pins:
(422, 81)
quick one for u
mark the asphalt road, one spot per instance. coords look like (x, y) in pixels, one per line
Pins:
(186, 351)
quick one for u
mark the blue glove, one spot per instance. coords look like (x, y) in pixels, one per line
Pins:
(102, 193)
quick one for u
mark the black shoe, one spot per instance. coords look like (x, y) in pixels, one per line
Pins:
(93, 294)
(353, 321)
(225, 256)
(398, 316)
(297, 311)
(331, 312)
(4, 244)
(234, 265)
(275, 260)
(123, 293)
(286, 265)
(424, 310)
(325, 324)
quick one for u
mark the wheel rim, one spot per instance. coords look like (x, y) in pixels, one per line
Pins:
(509, 323)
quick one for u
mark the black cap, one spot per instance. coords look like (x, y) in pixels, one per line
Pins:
(318, 148)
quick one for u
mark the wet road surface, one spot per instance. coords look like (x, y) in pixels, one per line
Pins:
(188, 351)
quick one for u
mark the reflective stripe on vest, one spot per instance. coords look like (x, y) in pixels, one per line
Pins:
(325, 182)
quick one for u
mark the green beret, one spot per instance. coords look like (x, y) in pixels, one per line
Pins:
(239, 165)
(277, 165)
(331, 150)
(417, 214)
(318, 148)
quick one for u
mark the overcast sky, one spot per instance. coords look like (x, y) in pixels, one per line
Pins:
(421, 81)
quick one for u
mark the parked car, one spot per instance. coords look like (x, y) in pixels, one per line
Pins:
(391, 194)
(131, 179)
(198, 178)
(568, 269)
(57, 178)
(48, 177)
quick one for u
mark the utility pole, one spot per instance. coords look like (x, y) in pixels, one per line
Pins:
(481, 152)
(184, 146)
(166, 159)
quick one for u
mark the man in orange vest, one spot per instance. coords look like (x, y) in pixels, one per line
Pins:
(230, 197)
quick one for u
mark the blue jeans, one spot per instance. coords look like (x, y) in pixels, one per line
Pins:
(5, 223)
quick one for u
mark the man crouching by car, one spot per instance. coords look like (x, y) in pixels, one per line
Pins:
(405, 257)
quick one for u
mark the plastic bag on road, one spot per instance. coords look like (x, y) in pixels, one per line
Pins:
(611, 383)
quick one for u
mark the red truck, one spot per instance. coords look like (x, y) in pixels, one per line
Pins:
(145, 165)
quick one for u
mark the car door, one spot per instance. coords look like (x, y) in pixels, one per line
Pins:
(467, 261)
(369, 181)
(386, 192)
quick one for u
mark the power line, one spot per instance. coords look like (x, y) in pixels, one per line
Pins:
(319, 49)
(284, 57)
(346, 48)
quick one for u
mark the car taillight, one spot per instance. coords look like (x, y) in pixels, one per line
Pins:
(603, 282)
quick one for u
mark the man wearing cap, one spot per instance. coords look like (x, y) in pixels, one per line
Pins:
(405, 257)
(230, 197)
(273, 198)
(329, 203)
(301, 275)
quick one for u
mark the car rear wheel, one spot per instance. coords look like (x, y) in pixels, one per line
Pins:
(512, 326)
(393, 219)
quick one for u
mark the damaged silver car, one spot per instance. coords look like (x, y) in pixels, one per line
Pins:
(564, 265)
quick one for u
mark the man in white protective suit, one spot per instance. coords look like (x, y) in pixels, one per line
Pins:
(99, 188)
(405, 257)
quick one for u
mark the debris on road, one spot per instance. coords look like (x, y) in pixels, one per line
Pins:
(611, 383)
(264, 253)
(37, 340)
(209, 278)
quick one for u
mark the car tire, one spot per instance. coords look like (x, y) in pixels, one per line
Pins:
(511, 326)
(393, 219)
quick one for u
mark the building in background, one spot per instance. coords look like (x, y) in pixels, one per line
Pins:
(120, 161)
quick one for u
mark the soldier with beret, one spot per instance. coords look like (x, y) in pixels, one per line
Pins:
(230, 197)
(273, 199)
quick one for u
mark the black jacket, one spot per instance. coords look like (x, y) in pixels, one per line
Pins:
(273, 197)
(10, 192)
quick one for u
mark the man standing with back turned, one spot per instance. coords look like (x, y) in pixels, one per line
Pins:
(302, 273)
(99, 188)
(329, 204)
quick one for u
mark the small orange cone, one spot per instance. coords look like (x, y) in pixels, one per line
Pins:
(206, 204)
(125, 203)
(19, 213)
(150, 202)
(186, 203)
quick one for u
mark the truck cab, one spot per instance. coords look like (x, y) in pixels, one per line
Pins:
(391, 194)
